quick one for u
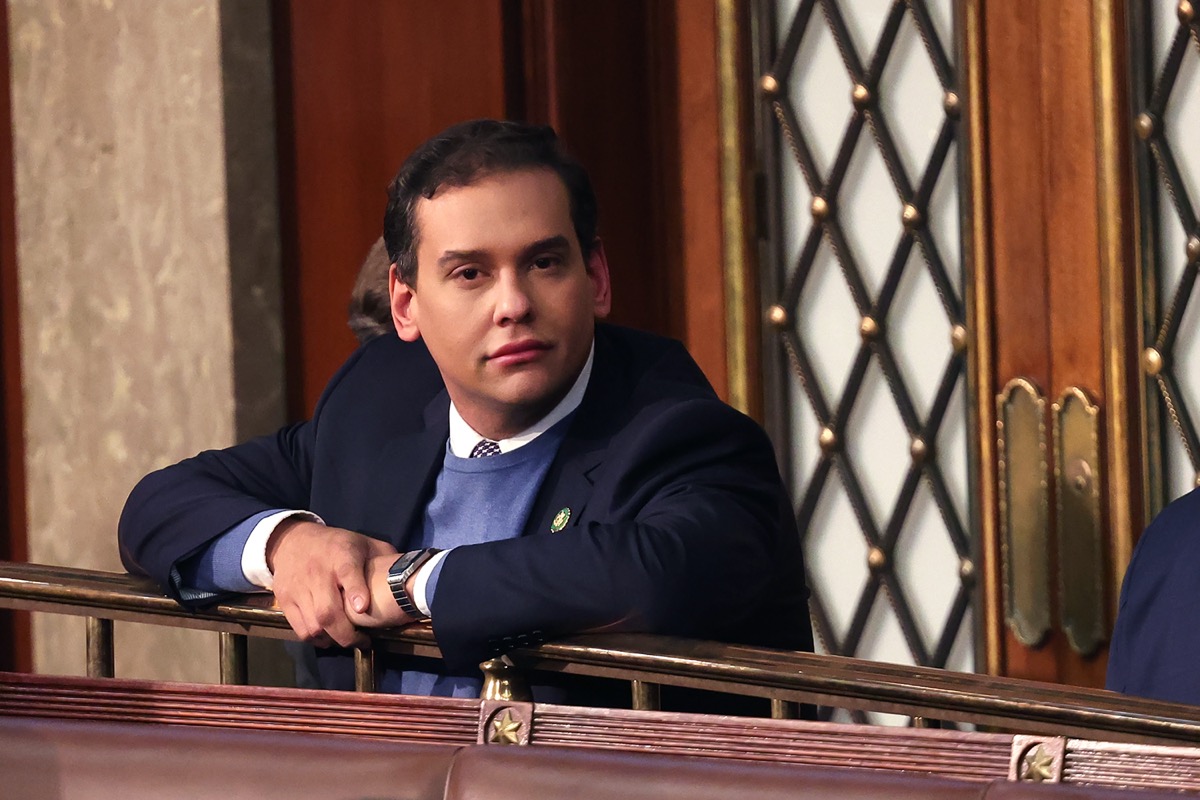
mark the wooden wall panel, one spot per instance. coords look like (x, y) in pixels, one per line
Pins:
(15, 645)
(1044, 164)
(357, 92)
(631, 87)
(602, 88)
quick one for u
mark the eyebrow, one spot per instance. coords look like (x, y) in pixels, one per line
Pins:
(559, 242)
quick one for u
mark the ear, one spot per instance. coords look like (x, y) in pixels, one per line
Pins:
(597, 269)
(404, 307)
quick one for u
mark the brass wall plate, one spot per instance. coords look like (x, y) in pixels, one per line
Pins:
(1024, 510)
(1079, 521)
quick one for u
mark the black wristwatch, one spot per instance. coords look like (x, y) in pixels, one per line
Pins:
(398, 576)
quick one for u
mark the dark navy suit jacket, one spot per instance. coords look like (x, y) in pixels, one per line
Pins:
(1156, 642)
(679, 522)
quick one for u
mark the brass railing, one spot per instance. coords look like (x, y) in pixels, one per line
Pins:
(786, 678)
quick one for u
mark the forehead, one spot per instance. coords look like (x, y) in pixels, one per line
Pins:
(495, 212)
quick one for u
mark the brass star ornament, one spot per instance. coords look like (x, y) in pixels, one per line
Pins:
(1038, 766)
(505, 729)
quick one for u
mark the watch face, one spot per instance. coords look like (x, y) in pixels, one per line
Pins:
(403, 561)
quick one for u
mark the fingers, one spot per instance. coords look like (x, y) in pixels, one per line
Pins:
(354, 586)
(321, 583)
(304, 624)
(331, 617)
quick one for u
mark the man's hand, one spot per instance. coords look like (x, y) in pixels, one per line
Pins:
(383, 611)
(320, 576)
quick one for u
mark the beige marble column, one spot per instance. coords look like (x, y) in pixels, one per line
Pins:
(132, 277)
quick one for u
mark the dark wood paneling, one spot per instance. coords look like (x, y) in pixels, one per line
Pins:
(15, 651)
(357, 92)
(1044, 161)
(629, 85)
(602, 90)
(696, 191)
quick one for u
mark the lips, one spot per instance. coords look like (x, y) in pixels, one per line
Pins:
(519, 352)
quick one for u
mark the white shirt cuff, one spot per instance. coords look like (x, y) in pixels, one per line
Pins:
(254, 554)
(421, 582)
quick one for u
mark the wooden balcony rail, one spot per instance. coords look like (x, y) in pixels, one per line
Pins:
(787, 678)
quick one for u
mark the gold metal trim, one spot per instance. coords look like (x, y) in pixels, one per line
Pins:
(505, 723)
(99, 643)
(646, 696)
(234, 659)
(979, 324)
(1079, 522)
(791, 676)
(1024, 510)
(1116, 259)
(827, 440)
(366, 670)
(868, 329)
(733, 207)
(1152, 361)
(819, 208)
(784, 709)
(1037, 759)
(504, 682)
(860, 96)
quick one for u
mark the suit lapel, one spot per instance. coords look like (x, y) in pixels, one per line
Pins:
(569, 482)
(405, 474)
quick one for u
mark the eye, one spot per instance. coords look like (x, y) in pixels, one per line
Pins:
(546, 262)
(467, 274)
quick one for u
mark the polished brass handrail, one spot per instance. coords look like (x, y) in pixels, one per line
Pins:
(783, 676)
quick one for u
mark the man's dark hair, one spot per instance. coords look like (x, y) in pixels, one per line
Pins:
(466, 152)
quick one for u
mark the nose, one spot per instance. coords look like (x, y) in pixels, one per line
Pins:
(512, 300)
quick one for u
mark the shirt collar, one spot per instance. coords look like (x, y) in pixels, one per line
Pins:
(463, 437)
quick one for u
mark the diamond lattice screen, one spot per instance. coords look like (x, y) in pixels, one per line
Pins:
(1166, 48)
(866, 304)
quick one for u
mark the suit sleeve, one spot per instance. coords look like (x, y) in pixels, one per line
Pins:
(692, 527)
(1154, 649)
(177, 511)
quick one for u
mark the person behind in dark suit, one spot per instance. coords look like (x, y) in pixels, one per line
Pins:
(1155, 651)
(507, 467)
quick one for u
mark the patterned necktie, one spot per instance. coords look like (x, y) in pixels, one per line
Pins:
(485, 448)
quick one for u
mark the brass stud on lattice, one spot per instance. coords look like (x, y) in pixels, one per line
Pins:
(1152, 361)
(868, 328)
(918, 450)
(860, 96)
(1185, 12)
(1145, 125)
(951, 104)
(876, 559)
(911, 216)
(958, 338)
(1193, 248)
(828, 440)
(966, 570)
(769, 85)
(777, 315)
(820, 208)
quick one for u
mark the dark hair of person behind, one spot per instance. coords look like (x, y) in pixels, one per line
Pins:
(370, 308)
(466, 152)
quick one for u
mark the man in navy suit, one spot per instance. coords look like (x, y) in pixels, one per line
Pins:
(1155, 649)
(508, 468)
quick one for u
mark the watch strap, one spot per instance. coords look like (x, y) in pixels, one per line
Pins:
(398, 575)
